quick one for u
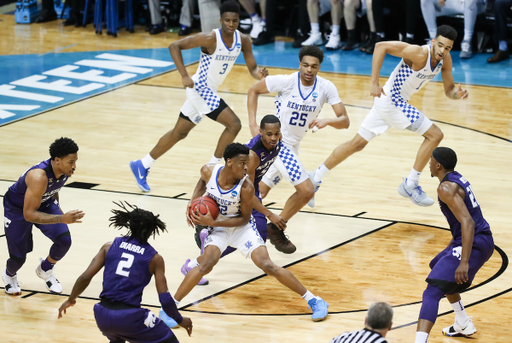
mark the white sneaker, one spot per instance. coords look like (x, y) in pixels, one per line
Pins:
(415, 193)
(257, 28)
(334, 42)
(52, 284)
(311, 203)
(467, 329)
(465, 50)
(11, 284)
(314, 39)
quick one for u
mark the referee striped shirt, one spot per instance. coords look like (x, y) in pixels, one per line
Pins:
(361, 336)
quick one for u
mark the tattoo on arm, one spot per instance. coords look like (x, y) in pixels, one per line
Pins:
(45, 218)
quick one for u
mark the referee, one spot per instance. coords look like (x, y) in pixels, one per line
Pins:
(376, 325)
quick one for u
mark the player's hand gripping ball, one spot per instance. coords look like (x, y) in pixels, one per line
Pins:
(200, 204)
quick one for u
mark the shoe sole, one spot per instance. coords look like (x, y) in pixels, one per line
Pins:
(137, 180)
(458, 334)
(319, 319)
(13, 294)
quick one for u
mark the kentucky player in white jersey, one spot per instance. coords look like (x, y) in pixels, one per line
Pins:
(418, 66)
(299, 100)
(234, 192)
(219, 51)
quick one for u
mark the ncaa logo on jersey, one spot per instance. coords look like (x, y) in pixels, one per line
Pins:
(262, 154)
(314, 95)
(234, 194)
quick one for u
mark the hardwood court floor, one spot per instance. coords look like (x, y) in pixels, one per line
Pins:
(362, 243)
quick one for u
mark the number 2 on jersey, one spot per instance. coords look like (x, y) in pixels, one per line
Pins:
(472, 197)
(224, 67)
(124, 265)
(295, 117)
(223, 209)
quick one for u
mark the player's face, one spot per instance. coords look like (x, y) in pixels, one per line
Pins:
(270, 135)
(229, 22)
(309, 67)
(441, 47)
(66, 165)
(432, 166)
(240, 165)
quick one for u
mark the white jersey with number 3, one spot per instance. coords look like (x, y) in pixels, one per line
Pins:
(228, 200)
(297, 106)
(214, 68)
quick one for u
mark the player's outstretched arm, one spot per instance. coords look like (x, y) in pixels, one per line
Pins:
(252, 104)
(256, 72)
(450, 194)
(203, 40)
(37, 182)
(83, 280)
(451, 90)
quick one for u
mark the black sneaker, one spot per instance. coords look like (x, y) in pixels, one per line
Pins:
(279, 239)
(263, 38)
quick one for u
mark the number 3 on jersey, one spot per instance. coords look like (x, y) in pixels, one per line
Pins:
(124, 265)
(302, 119)
(224, 67)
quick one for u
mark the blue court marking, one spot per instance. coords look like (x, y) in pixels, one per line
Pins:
(35, 83)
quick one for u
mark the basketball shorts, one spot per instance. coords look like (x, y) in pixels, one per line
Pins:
(244, 238)
(18, 231)
(132, 325)
(202, 102)
(287, 166)
(453, 7)
(446, 262)
(386, 114)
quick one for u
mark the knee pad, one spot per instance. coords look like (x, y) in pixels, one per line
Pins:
(60, 246)
(430, 306)
(15, 263)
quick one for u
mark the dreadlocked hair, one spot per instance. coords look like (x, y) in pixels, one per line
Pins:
(141, 224)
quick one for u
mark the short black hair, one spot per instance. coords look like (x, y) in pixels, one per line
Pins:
(446, 157)
(235, 149)
(62, 147)
(447, 32)
(380, 316)
(311, 50)
(230, 6)
(269, 119)
(141, 224)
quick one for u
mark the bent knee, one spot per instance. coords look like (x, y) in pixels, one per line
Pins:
(269, 267)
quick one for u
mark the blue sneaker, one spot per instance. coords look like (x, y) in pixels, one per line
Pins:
(140, 174)
(319, 307)
(167, 320)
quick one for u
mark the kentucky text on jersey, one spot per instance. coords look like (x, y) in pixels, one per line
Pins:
(226, 58)
(425, 77)
(221, 201)
(299, 107)
(132, 247)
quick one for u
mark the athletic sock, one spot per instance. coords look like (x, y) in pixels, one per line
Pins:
(503, 45)
(409, 35)
(147, 161)
(8, 273)
(413, 178)
(215, 160)
(460, 313)
(320, 173)
(255, 17)
(192, 264)
(335, 30)
(47, 265)
(315, 28)
(421, 337)
(381, 35)
(308, 296)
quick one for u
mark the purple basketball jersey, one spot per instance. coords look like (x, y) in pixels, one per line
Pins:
(266, 159)
(127, 271)
(481, 225)
(16, 193)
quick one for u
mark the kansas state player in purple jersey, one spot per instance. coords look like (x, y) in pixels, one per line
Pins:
(454, 268)
(34, 199)
(130, 262)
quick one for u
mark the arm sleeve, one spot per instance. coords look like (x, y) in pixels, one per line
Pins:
(169, 306)
(333, 97)
(276, 83)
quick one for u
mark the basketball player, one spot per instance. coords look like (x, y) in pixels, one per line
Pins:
(219, 51)
(265, 148)
(234, 193)
(34, 200)
(454, 268)
(130, 262)
(299, 100)
(418, 66)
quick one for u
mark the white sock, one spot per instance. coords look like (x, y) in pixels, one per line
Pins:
(335, 30)
(460, 312)
(421, 337)
(215, 160)
(413, 178)
(503, 45)
(147, 161)
(468, 35)
(320, 173)
(192, 264)
(410, 35)
(315, 28)
(255, 18)
(382, 35)
(308, 296)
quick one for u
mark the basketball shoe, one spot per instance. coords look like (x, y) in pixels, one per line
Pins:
(415, 193)
(279, 239)
(334, 42)
(140, 174)
(314, 39)
(466, 329)
(185, 269)
(257, 28)
(51, 282)
(465, 50)
(311, 203)
(11, 284)
(167, 319)
(319, 308)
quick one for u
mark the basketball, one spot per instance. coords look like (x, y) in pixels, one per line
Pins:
(202, 203)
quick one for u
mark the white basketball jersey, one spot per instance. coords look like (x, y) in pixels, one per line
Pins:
(214, 68)
(404, 82)
(228, 200)
(297, 107)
